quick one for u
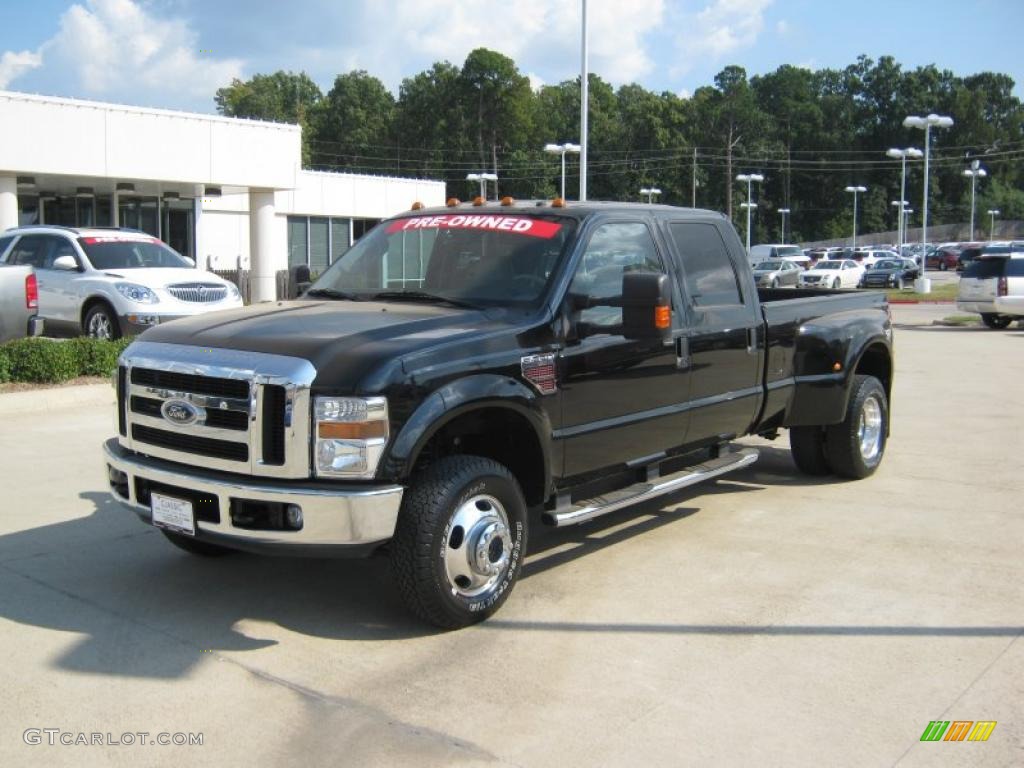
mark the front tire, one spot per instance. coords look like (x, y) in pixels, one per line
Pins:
(835, 284)
(855, 446)
(807, 444)
(460, 541)
(943, 266)
(775, 282)
(100, 323)
(996, 322)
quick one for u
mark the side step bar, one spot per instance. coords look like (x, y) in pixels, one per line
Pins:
(588, 509)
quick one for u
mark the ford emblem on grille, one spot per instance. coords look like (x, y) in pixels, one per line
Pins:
(180, 412)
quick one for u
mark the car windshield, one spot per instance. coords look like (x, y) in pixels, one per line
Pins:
(466, 259)
(768, 266)
(130, 252)
(788, 250)
(888, 264)
(828, 265)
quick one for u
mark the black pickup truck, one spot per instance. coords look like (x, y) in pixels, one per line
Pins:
(465, 372)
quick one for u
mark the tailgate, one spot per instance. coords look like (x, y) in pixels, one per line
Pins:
(977, 288)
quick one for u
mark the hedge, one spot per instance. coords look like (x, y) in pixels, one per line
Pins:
(53, 360)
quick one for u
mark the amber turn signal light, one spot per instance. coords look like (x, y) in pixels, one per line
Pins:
(478, 200)
(507, 200)
(417, 205)
(558, 203)
(662, 317)
(356, 430)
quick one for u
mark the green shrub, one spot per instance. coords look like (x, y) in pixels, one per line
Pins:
(97, 357)
(5, 366)
(41, 360)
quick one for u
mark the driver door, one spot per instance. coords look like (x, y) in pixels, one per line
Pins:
(622, 399)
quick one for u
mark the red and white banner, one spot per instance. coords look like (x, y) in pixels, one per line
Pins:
(120, 238)
(516, 225)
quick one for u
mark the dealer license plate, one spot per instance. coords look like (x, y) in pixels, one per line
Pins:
(173, 514)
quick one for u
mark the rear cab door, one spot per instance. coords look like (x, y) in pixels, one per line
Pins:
(722, 343)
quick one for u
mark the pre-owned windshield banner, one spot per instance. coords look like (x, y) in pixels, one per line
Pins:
(516, 225)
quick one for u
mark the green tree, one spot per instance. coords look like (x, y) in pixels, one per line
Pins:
(353, 127)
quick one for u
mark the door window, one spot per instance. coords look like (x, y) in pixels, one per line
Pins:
(711, 278)
(30, 250)
(613, 249)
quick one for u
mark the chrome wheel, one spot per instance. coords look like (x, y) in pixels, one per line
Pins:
(99, 326)
(478, 546)
(869, 429)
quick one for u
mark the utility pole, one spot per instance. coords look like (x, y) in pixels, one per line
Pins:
(584, 105)
(694, 205)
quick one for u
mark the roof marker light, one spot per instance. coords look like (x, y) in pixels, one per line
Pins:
(558, 203)
(452, 202)
(417, 205)
(478, 200)
(508, 200)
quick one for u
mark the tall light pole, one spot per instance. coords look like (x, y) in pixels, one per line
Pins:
(483, 178)
(561, 149)
(856, 190)
(974, 173)
(902, 155)
(783, 212)
(926, 123)
(749, 178)
(650, 192)
(992, 212)
(584, 103)
(900, 206)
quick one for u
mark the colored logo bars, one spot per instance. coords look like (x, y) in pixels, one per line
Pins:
(958, 730)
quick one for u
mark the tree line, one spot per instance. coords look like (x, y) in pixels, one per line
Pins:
(810, 133)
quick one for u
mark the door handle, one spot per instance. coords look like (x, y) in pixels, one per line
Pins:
(751, 340)
(682, 353)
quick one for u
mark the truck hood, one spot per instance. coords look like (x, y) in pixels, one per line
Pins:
(346, 341)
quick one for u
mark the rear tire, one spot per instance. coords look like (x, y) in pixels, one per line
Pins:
(996, 322)
(855, 446)
(807, 444)
(195, 546)
(460, 541)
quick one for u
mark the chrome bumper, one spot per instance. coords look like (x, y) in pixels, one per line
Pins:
(334, 517)
(36, 325)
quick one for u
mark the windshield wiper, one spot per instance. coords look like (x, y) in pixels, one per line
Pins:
(331, 293)
(423, 296)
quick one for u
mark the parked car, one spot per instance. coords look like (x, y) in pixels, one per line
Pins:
(109, 282)
(943, 258)
(969, 254)
(993, 285)
(832, 273)
(777, 272)
(764, 252)
(868, 257)
(436, 417)
(890, 273)
(19, 303)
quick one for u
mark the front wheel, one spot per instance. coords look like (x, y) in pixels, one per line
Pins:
(775, 282)
(100, 323)
(856, 445)
(996, 322)
(898, 285)
(943, 266)
(835, 284)
(460, 541)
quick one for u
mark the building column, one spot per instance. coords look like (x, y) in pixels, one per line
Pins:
(262, 274)
(8, 202)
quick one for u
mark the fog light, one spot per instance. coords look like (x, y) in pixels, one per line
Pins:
(293, 515)
(144, 319)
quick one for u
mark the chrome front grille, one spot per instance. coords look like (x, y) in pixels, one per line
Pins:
(198, 292)
(245, 412)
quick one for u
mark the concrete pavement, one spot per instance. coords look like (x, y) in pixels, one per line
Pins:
(763, 619)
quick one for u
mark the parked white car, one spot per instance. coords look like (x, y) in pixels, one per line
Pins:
(832, 273)
(993, 285)
(766, 251)
(112, 282)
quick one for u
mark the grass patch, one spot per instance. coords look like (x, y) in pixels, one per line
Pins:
(939, 293)
(959, 320)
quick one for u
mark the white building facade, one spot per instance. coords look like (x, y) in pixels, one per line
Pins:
(224, 191)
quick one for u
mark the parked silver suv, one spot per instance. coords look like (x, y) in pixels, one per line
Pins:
(993, 285)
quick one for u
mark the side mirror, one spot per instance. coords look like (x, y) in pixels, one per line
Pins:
(65, 264)
(646, 306)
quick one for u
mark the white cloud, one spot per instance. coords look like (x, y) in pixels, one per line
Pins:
(544, 34)
(719, 29)
(782, 27)
(536, 81)
(13, 65)
(117, 49)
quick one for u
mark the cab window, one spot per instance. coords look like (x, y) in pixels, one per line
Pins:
(711, 278)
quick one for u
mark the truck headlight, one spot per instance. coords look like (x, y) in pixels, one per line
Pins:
(137, 293)
(351, 433)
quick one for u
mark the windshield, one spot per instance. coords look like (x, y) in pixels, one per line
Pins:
(889, 264)
(828, 265)
(788, 250)
(478, 259)
(130, 252)
(768, 266)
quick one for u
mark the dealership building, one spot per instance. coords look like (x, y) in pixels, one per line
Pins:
(227, 192)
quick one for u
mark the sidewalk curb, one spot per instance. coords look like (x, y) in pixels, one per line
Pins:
(54, 398)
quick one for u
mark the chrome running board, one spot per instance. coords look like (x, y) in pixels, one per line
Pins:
(588, 509)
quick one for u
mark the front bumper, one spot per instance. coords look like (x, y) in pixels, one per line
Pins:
(338, 520)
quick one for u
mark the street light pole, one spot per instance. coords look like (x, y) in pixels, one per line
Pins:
(926, 123)
(749, 178)
(483, 178)
(974, 173)
(783, 212)
(561, 149)
(992, 212)
(650, 192)
(856, 190)
(902, 155)
(901, 205)
(584, 103)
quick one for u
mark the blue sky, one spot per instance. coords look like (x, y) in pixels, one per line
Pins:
(176, 53)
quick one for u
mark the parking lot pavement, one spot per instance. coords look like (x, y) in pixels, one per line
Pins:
(762, 619)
